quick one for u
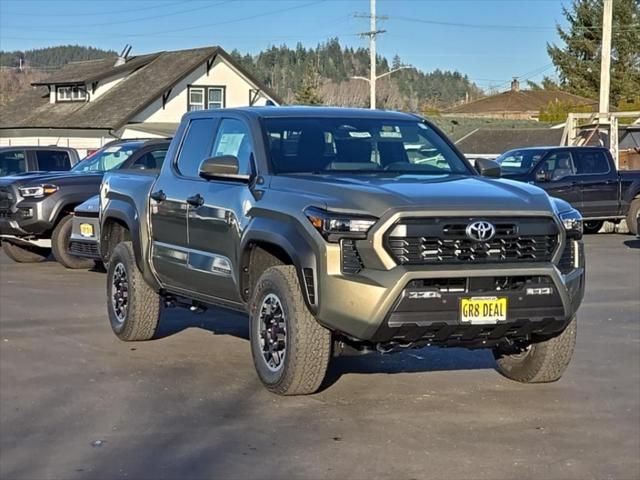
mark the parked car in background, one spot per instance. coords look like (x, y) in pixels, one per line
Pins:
(17, 160)
(586, 177)
(331, 234)
(36, 209)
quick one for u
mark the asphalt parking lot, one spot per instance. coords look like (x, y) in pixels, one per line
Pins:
(75, 402)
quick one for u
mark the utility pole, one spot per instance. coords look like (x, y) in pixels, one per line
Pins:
(372, 34)
(605, 62)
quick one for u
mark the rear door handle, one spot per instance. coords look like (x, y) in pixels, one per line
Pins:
(158, 196)
(196, 201)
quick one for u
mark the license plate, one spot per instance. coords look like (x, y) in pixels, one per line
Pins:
(483, 310)
(86, 230)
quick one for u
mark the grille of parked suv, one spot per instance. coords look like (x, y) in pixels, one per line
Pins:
(82, 248)
(7, 198)
(423, 241)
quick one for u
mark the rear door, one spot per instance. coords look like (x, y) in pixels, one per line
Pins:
(598, 183)
(52, 160)
(561, 177)
(169, 207)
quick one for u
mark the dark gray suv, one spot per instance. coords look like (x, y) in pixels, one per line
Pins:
(336, 228)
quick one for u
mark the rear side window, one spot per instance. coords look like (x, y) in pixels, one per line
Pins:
(591, 163)
(12, 162)
(50, 160)
(195, 146)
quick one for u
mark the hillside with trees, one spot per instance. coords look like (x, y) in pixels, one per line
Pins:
(51, 57)
(325, 73)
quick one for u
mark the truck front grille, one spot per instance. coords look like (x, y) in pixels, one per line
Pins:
(7, 198)
(423, 241)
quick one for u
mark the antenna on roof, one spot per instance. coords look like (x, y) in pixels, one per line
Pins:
(122, 58)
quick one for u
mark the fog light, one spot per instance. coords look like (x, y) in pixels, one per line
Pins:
(26, 212)
(540, 291)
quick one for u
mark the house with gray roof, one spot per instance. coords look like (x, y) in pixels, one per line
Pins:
(87, 104)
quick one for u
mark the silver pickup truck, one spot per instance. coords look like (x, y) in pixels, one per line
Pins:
(343, 228)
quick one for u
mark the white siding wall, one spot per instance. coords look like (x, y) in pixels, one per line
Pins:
(107, 84)
(220, 74)
(81, 141)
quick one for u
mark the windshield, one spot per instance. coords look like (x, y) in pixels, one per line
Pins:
(520, 161)
(107, 158)
(359, 145)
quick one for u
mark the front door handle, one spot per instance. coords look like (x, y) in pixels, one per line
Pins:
(196, 201)
(158, 196)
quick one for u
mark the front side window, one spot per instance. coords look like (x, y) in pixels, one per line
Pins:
(196, 146)
(233, 139)
(519, 161)
(71, 94)
(591, 163)
(152, 160)
(558, 166)
(51, 160)
(359, 145)
(13, 162)
(107, 158)
(200, 98)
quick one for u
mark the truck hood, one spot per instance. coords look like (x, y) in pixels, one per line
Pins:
(375, 195)
(38, 178)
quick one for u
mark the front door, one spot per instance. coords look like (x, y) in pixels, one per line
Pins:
(598, 183)
(169, 205)
(215, 226)
(561, 180)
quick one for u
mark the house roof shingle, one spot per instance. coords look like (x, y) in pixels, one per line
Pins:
(487, 141)
(154, 74)
(519, 101)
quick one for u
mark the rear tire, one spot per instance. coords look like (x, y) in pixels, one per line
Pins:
(60, 245)
(24, 254)
(291, 350)
(133, 306)
(592, 226)
(542, 362)
(632, 214)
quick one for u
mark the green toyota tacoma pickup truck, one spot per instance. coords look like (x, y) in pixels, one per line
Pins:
(343, 228)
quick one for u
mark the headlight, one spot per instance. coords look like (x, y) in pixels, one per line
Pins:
(333, 225)
(38, 192)
(572, 221)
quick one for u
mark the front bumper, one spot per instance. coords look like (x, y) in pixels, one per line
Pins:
(373, 305)
(81, 243)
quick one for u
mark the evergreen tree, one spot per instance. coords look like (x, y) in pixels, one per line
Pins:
(578, 61)
(308, 94)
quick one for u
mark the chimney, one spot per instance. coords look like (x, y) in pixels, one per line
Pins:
(515, 85)
(122, 58)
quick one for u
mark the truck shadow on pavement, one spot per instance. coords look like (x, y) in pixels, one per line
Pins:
(221, 322)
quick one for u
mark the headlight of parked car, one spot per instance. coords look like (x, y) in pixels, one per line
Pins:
(334, 225)
(38, 191)
(572, 221)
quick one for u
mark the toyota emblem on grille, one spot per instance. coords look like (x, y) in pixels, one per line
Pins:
(481, 231)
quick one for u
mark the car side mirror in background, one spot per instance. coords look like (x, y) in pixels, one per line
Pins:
(542, 176)
(488, 168)
(224, 167)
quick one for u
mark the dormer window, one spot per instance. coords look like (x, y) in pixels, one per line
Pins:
(75, 93)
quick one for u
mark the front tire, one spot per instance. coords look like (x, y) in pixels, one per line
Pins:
(133, 306)
(24, 254)
(632, 214)
(60, 239)
(592, 226)
(542, 362)
(291, 350)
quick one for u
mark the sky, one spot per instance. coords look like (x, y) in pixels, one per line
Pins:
(491, 41)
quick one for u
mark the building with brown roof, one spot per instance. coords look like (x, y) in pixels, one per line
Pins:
(86, 104)
(517, 104)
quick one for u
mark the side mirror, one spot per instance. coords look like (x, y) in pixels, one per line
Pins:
(542, 176)
(488, 168)
(224, 167)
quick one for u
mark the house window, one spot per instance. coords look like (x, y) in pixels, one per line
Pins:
(75, 93)
(205, 97)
